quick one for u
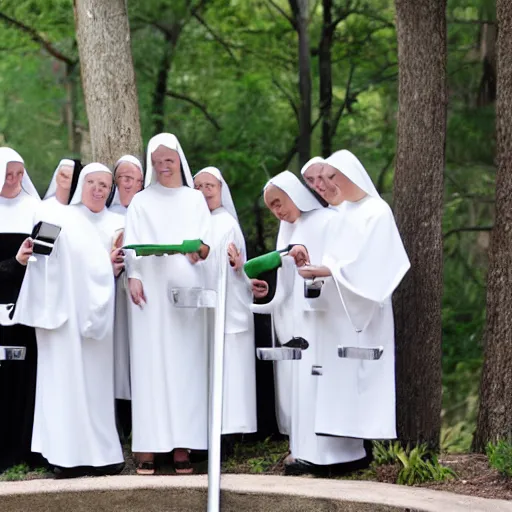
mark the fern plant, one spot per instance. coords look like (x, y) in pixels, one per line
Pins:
(500, 457)
(418, 465)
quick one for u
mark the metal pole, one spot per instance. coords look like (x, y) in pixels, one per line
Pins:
(217, 383)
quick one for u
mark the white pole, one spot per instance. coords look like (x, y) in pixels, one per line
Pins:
(217, 382)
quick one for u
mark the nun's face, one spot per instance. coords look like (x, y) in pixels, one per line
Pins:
(280, 204)
(210, 186)
(64, 177)
(13, 177)
(166, 163)
(323, 179)
(96, 189)
(128, 181)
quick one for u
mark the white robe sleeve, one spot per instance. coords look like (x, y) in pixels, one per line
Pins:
(368, 260)
(131, 237)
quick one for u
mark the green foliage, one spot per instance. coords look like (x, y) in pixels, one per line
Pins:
(500, 457)
(260, 457)
(21, 472)
(458, 438)
(18, 472)
(418, 465)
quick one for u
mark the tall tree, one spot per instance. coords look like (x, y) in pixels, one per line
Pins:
(418, 204)
(108, 78)
(494, 421)
(301, 18)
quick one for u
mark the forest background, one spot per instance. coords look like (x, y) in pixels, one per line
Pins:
(223, 75)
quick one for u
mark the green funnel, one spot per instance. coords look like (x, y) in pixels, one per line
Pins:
(255, 267)
(187, 246)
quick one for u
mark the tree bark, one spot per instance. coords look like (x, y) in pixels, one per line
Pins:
(494, 417)
(108, 78)
(325, 72)
(418, 203)
(300, 11)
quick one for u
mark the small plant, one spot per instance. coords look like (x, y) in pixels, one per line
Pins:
(418, 465)
(500, 457)
(18, 472)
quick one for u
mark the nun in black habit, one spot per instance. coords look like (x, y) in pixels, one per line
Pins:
(19, 202)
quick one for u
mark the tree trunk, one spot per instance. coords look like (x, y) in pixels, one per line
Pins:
(301, 13)
(494, 418)
(108, 78)
(71, 110)
(418, 203)
(325, 72)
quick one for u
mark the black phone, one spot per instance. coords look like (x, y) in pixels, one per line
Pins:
(44, 236)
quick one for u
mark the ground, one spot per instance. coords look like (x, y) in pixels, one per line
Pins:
(474, 476)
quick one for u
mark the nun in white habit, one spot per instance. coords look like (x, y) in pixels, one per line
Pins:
(169, 363)
(239, 398)
(304, 222)
(69, 298)
(365, 256)
(63, 183)
(93, 189)
(129, 178)
(19, 202)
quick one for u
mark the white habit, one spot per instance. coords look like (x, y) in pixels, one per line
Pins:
(239, 394)
(69, 298)
(122, 384)
(169, 354)
(367, 259)
(306, 318)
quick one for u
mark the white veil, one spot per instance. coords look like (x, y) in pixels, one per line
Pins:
(303, 199)
(348, 164)
(226, 199)
(169, 141)
(88, 169)
(132, 160)
(52, 188)
(9, 155)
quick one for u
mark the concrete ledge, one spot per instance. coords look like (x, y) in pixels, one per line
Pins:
(241, 493)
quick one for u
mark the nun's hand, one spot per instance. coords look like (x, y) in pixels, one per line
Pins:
(137, 292)
(235, 257)
(193, 257)
(259, 288)
(117, 259)
(300, 254)
(312, 272)
(25, 251)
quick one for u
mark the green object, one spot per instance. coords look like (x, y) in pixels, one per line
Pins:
(270, 261)
(187, 246)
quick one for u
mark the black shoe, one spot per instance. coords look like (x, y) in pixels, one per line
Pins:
(110, 470)
(303, 467)
(76, 472)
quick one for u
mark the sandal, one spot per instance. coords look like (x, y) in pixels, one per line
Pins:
(146, 468)
(183, 467)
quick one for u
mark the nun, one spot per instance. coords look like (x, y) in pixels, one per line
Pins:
(304, 223)
(239, 395)
(169, 362)
(63, 183)
(366, 260)
(68, 297)
(19, 202)
(90, 198)
(129, 179)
